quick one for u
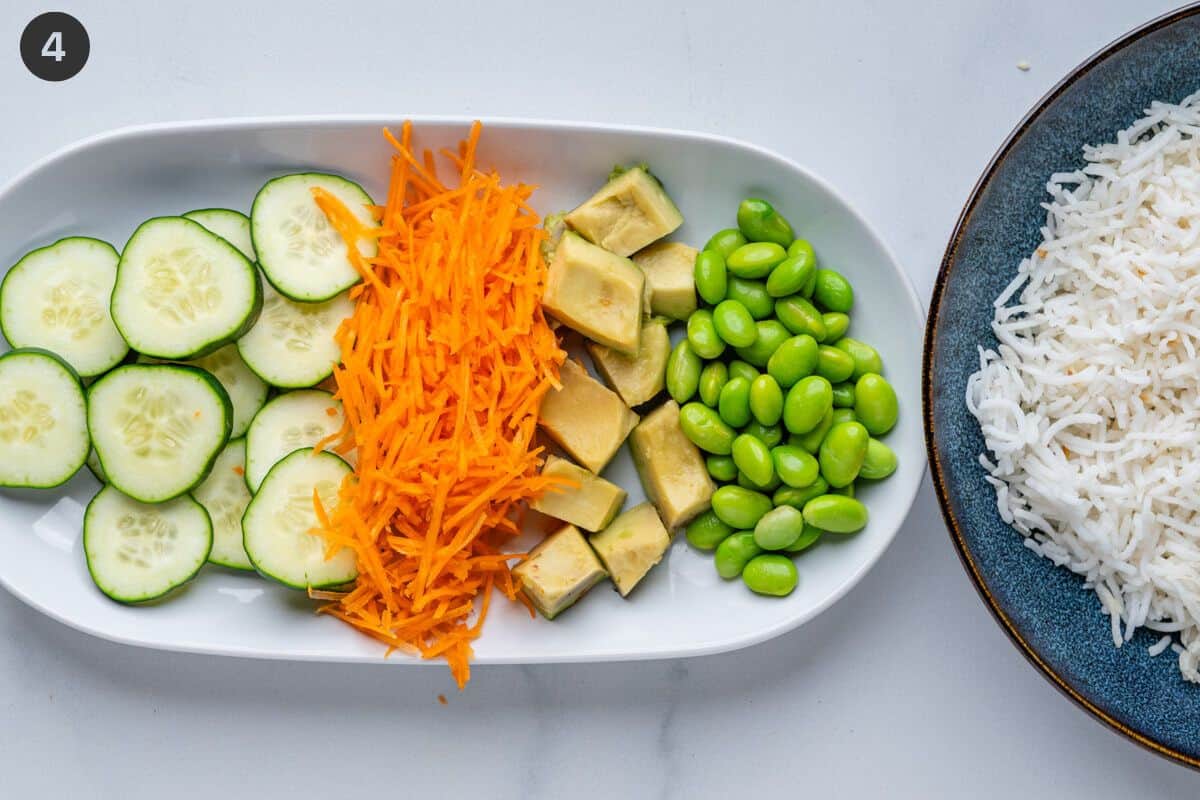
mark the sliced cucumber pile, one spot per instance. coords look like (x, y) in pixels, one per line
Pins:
(138, 551)
(301, 254)
(179, 341)
(278, 528)
(288, 423)
(157, 428)
(224, 496)
(182, 291)
(56, 298)
(230, 225)
(43, 420)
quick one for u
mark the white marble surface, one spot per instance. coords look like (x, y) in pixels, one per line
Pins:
(904, 689)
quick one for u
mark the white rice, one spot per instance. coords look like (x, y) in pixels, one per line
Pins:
(1090, 406)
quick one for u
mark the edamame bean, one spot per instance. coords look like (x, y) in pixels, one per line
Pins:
(836, 325)
(879, 462)
(707, 531)
(721, 468)
(843, 394)
(734, 553)
(798, 497)
(845, 491)
(875, 404)
(744, 481)
(779, 528)
(683, 372)
(811, 442)
(806, 540)
(734, 323)
(753, 295)
(794, 359)
(705, 429)
(702, 335)
(806, 403)
(832, 291)
(792, 274)
(795, 466)
(711, 276)
(714, 376)
(760, 222)
(725, 241)
(740, 369)
(770, 574)
(866, 358)
(770, 435)
(756, 260)
(800, 316)
(753, 459)
(740, 507)
(734, 402)
(842, 453)
(841, 415)
(766, 400)
(835, 513)
(770, 334)
(832, 363)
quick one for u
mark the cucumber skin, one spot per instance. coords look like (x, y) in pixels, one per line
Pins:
(13, 269)
(264, 573)
(211, 347)
(160, 595)
(38, 351)
(226, 404)
(265, 268)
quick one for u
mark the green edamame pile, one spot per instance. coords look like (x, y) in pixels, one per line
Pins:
(787, 408)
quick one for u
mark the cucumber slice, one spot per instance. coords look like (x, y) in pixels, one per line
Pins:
(93, 465)
(277, 529)
(288, 423)
(137, 552)
(292, 344)
(299, 251)
(157, 428)
(43, 420)
(56, 298)
(232, 226)
(182, 291)
(224, 496)
(246, 390)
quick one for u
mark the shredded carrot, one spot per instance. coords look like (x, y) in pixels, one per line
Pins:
(444, 364)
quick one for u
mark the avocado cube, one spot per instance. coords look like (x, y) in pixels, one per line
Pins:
(636, 378)
(596, 293)
(631, 545)
(591, 505)
(670, 269)
(671, 468)
(559, 571)
(629, 212)
(585, 418)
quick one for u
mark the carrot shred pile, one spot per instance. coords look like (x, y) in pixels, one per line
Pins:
(444, 364)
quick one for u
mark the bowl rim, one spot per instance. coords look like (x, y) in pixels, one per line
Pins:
(936, 471)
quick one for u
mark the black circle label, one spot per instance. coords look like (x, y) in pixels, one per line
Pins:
(55, 46)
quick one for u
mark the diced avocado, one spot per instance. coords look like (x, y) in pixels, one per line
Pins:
(555, 225)
(636, 378)
(559, 571)
(670, 269)
(591, 505)
(596, 293)
(671, 468)
(631, 545)
(629, 212)
(585, 418)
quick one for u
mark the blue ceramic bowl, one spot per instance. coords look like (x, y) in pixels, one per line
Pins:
(1046, 611)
